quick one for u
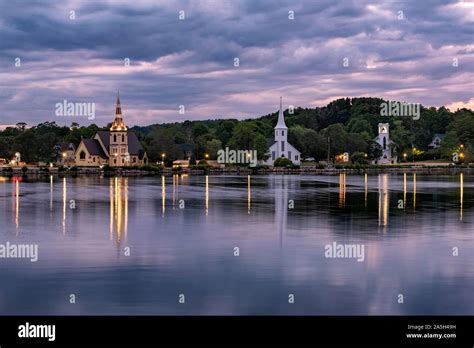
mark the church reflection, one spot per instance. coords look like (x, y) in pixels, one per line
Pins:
(383, 200)
(281, 206)
(118, 190)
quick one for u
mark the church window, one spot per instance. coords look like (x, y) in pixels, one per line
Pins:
(82, 155)
(384, 143)
(123, 138)
(115, 138)
(93, 159)
(289, 154)
(283, 133)
(296, 157)
(282, 146)
(134, 159)
(273, 155)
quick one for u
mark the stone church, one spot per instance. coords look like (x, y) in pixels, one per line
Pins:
(281, 147)
(117, 147)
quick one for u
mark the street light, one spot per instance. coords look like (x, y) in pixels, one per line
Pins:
(206, 155)
(405, 156)
(163, 159)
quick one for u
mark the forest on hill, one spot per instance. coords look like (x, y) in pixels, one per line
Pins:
(348, 124)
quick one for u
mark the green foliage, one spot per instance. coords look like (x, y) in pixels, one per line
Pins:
(359, 157)
(350, 124)
(283, 162)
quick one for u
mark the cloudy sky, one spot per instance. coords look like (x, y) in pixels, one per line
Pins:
(409, 55)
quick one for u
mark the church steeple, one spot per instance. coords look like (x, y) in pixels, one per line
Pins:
(118, 124)
(118, 108)
(281, 119)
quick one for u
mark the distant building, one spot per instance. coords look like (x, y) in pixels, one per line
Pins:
(67, 155)
(383, 139)
(281, 147)
(117, 147)
(343, 157)
(436, 142)
(181, 163)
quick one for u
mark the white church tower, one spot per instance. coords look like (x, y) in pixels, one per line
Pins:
(281, 147)
(383, 139)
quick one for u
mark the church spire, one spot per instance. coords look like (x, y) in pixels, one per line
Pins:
(118, 108)
(118, 124)
(281, 117)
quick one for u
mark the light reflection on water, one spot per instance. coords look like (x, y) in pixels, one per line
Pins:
(183, 242)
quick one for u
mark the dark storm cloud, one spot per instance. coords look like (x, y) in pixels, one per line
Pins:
(190, 62)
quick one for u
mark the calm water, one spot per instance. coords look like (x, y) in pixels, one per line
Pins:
(190, 251)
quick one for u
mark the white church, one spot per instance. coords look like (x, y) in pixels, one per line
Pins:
(281, 147)
(383, 139)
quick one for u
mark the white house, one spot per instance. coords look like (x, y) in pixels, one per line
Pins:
(436, 142)
(281, 147)
(383, 139)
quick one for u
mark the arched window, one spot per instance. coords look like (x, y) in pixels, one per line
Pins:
(123, 138)
(82, 155)
(384, 143)
(115, 138)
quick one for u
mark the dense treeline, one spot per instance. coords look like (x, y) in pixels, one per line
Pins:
(349, 125)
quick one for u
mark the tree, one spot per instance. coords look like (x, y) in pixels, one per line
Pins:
(212, 147)
(375, 151)
(283, 162)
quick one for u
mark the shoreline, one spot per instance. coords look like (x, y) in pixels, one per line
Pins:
(39, 172)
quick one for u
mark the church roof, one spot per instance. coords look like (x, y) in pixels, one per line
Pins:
(281, 117)
(134, 146)
(94, 148)
(67, 147)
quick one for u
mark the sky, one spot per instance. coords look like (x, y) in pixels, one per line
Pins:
(309, 52)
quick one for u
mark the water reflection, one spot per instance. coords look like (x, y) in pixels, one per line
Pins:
(51, 193)
(281, 206)
(383, 200)
(366, 185)
(404, 190)
(207, 194)
(64, 204)
(16, 181)
(414, 191)
(248, 195)
(118, 190)
(461, 195)
(163, 194)
(342, 190)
